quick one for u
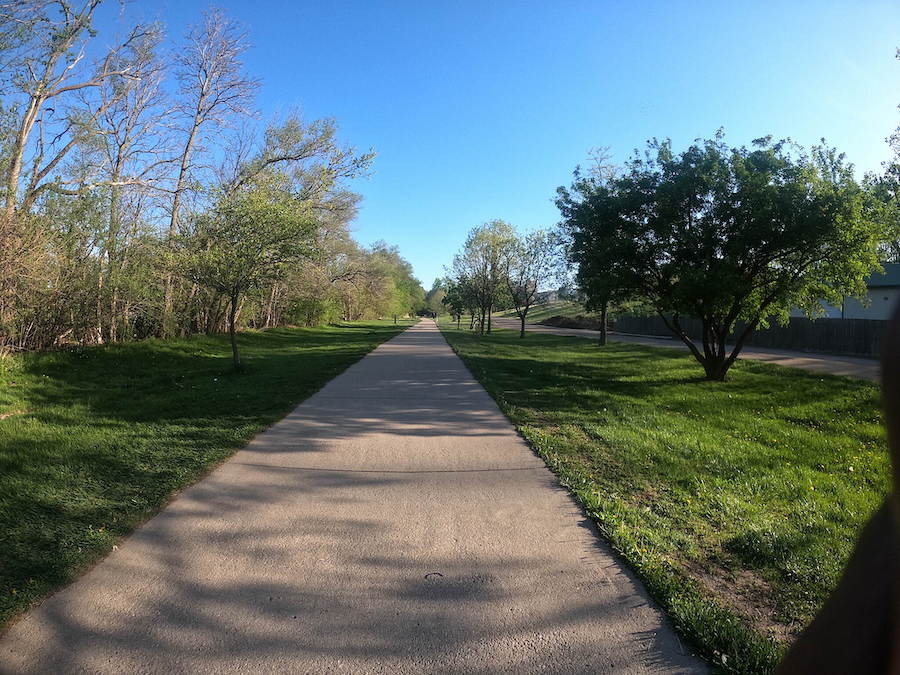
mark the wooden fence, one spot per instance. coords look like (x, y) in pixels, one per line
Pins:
(856, 337)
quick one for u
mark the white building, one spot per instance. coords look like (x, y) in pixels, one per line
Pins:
(882, 296)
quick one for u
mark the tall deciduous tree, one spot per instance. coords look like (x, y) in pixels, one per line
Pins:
(597, 242)
(727, 234)
(213, 90)
(46, 43)
(127, 152)
(46, 78)
(482, 262)
(247, 241)
(531, 261)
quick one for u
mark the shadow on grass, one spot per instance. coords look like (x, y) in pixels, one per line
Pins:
(267, 564)
(769, 475)
(565, 374)
(109, 433)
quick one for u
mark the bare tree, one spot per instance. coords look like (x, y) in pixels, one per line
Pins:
(213, 89)
(131, 154)
(47, 64)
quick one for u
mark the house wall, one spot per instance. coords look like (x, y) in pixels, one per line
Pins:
(828, 311)
(881, 304)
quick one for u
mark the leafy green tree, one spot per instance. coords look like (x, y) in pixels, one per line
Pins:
(247, 240)
(530, 263)
(458, 298)
(727, 234)
(597, 243)
(403, 294)
(885, 189)
(482, 262)
(434, 297)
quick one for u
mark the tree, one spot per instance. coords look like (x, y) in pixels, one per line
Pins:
(434, 297)
(530, 263)
(45, 81)
(100, 167)
(248, 240)
(482, 263)
(729, 235)
(455, 299)
(309, 154)
(49, 39)
(402, 293)
(597, 243)
(127, 152)
(212, 89)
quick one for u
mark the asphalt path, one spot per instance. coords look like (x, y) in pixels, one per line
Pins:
(393, 523)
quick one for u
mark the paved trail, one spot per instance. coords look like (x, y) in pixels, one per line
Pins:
(850, 366)
(393, 523)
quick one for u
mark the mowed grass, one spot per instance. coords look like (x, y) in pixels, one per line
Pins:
(545, 311)
(737, 502)
(94, 441)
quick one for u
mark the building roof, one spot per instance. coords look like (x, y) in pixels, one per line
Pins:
(890, 277)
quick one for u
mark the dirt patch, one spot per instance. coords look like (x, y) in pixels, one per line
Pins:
(746, 594)
(3, 416)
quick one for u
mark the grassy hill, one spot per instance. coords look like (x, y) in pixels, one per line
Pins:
(541, 312)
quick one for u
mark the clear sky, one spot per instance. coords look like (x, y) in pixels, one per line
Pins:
(479, 109)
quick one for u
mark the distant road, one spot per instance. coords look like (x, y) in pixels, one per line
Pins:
(849, 366)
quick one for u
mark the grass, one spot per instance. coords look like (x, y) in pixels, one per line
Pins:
(94, 441)
(545, 311)
(738, 503)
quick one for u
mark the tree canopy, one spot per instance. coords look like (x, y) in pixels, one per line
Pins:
(724, 234)
(115, 151)
(482, 264)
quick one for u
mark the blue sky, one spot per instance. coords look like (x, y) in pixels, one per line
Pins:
(478, 110)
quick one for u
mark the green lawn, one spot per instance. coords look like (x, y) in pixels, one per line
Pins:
(738, 503)
(93, 441)
(541, 312)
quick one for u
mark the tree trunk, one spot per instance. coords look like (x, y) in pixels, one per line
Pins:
(603, 309)
(522, 327)
(490, 311)
(168, 293)
(715, 368)
(458, 319)
(270, 308)
(14, 172)
(232, 316)
(99, 305)
(715, 363)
